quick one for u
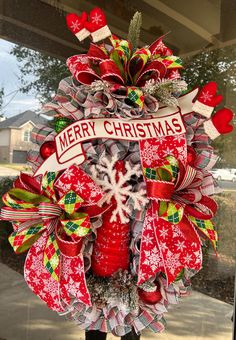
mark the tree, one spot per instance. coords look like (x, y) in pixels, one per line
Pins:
(217, 65)
(39, 73)
(1, 98)
(214, 65)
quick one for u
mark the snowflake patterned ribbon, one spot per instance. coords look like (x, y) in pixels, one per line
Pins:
(169, 240)
(118, 66)
(35, 212)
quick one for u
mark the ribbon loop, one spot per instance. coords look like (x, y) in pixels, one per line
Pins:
(117, 65)
(68, 248)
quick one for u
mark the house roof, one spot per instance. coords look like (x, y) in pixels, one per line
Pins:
(22, 118)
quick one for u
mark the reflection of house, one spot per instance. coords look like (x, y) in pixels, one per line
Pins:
(15, 136)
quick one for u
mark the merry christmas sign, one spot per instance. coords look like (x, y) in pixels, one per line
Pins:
(69, 148)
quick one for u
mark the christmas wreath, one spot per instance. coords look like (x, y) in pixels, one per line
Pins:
(120, 201)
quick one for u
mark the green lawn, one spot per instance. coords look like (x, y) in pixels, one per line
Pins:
(15, 166)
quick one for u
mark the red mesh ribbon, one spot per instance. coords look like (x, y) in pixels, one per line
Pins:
(111, 247)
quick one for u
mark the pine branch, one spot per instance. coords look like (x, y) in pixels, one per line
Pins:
(134, 30)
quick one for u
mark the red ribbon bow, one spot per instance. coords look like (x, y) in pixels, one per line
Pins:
(119, 67)
(170, 241)
(48, 210)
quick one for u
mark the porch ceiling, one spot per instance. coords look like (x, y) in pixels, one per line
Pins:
(193, 25)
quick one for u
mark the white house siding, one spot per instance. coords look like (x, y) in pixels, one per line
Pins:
(4, 137)
(4, 145)
(16, 141)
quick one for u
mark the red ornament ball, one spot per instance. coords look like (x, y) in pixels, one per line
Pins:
(150, 298)
(47, 149)
(191, 155)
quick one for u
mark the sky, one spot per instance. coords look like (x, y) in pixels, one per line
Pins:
(8, 80)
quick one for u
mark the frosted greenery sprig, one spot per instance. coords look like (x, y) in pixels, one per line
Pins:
(118, 290)
(166, 90)
(148, 286)
(134, 30)
(97, 85)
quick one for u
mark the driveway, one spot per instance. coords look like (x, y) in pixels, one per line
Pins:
(227, 185)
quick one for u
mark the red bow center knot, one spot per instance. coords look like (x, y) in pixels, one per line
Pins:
(177, 210)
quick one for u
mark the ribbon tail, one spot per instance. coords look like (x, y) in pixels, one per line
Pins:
(150, 262)
(72, 282)
(180, 246)
(51, 257)
(23, 238)
(206, 227)
(72, 275)
(38, 277)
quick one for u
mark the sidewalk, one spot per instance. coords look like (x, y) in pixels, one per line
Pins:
(24, 317)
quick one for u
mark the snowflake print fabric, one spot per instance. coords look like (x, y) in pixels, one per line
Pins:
(149, 153)
(39, 279)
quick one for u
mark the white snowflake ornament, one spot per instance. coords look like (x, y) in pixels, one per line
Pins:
(114, 183)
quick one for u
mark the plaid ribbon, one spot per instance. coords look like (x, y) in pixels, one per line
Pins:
(40, 133)
(165, 55)
(34, 159)
(206, 159)
(89, 105)
(121, 54)
(171, 62)
(34, 213)
(117, 321)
